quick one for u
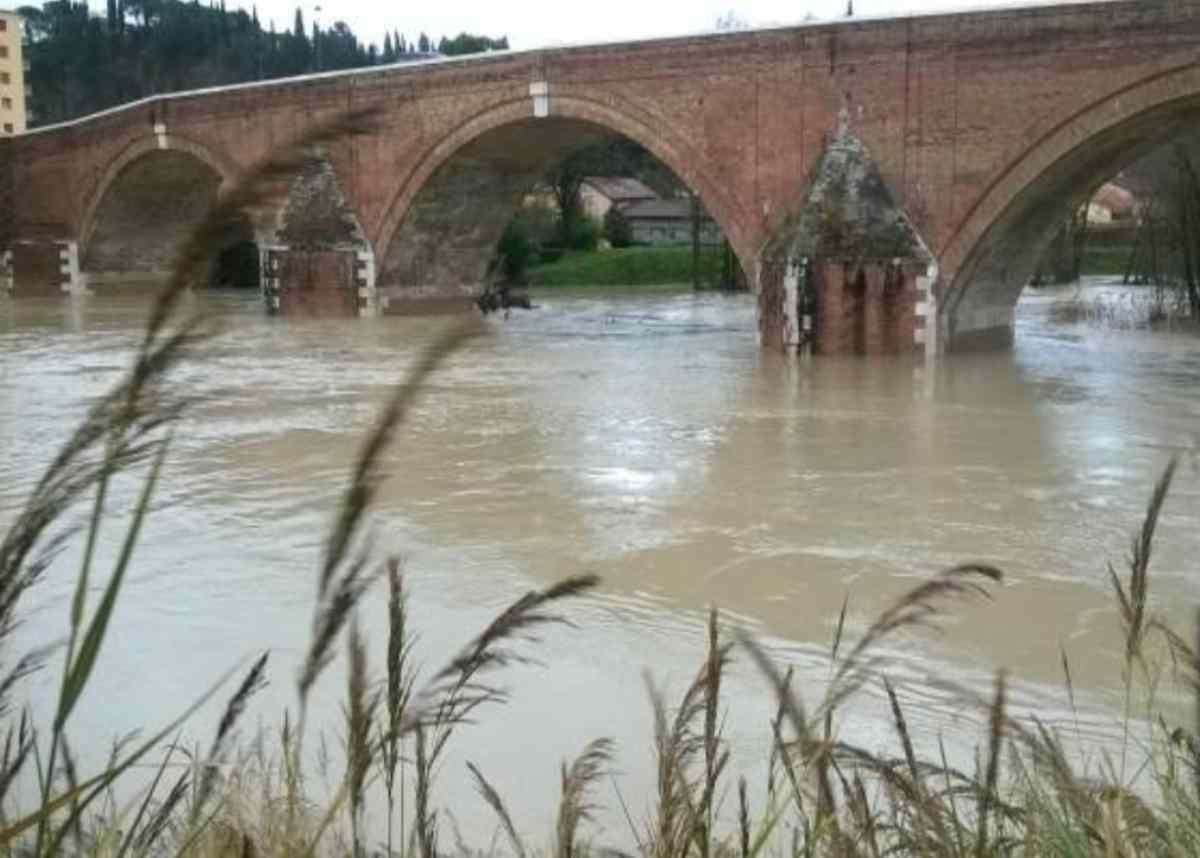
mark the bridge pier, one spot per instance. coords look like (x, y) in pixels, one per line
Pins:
(44, 268)
(983, 329)
(319, 283)
(848, 273)
(845, 307)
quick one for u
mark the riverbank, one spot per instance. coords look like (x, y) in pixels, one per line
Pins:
(1106, 261)
(629, 266)
(672, 266)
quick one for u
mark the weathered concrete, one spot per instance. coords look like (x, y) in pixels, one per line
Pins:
(980, 126)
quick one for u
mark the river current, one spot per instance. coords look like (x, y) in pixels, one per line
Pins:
(642, 436)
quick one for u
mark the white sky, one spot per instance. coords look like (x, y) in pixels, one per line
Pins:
(536, 23)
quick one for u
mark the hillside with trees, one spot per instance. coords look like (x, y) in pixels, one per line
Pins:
(81, 62)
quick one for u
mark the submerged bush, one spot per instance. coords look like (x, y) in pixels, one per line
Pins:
(516, 251)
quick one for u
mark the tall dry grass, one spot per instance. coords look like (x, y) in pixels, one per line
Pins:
(824, 795)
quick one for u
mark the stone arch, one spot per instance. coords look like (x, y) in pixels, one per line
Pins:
(223, 167)
(144, 206)
(992, 253)
(669, 148)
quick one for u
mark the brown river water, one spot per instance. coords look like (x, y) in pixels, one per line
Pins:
(644, 437)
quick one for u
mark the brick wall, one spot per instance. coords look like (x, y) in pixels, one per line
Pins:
(37, 269)
(318, 283)
(865, 309)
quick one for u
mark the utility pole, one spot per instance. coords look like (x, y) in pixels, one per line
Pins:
(695, 200)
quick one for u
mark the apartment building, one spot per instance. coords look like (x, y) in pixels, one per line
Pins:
(13, 106)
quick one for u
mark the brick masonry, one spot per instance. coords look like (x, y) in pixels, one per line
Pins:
(319, 283)
(979, 123)
(41, 269)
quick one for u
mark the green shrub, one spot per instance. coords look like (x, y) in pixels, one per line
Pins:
(516, 250)
(617, 228)
(583, 233)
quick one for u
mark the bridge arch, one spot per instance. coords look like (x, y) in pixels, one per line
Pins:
(514, 120)
(222, 166)
(145, 203)
(993, 252)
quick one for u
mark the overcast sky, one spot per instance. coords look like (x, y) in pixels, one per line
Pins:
(536, 23)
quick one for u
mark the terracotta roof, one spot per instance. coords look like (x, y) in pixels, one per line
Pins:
(621, 188)
(1114, 198)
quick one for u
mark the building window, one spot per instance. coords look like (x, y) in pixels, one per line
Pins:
(8, 128)
(3, 25)
(5, 77)
(3, 52)
(6, 103)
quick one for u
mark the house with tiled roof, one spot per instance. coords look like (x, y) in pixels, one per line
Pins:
(1110, 204)
(668, 221)
(598, 194)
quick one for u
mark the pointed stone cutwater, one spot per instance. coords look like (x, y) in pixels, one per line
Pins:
(321, 263)
(840, 275)
(849, 213)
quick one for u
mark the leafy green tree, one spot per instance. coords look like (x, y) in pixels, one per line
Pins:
(467, 43)
(81, 63)
(516, 250)
(617, 228)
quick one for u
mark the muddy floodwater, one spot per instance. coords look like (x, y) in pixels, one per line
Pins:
(643, 437)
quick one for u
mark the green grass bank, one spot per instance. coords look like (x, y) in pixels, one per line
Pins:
(630, 266)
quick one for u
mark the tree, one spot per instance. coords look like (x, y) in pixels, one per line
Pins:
(388, 56)
(617, 228)
(515, 250)
(423, 45)
(731, 21)
(468, 43)
(81, 63)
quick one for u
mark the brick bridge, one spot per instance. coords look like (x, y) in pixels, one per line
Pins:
(895, 178)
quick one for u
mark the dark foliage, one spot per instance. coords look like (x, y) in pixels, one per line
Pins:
(81, 62)
(617, 229)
